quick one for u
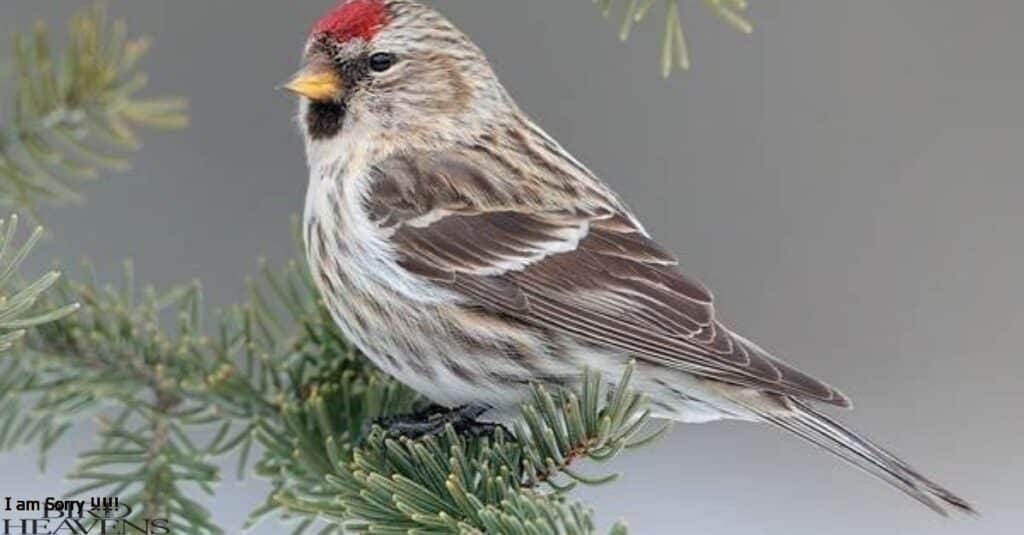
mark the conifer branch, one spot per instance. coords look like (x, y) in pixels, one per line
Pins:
(77, 114)
(114, 352)
(675, 50)
(19, 312)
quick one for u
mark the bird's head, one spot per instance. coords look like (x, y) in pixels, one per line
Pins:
(391, 73)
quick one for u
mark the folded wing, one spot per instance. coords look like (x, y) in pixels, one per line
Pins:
(591, 273)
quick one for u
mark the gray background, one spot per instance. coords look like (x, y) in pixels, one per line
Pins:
(848, 179)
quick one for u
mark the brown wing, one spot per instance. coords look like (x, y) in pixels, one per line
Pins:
(591, 274)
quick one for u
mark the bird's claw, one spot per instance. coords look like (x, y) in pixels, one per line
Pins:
(433, 421)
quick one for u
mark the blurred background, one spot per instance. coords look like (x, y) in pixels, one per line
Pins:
(848, 180)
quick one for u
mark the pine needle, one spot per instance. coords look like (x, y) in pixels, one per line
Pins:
(75, 115)
(675, 51)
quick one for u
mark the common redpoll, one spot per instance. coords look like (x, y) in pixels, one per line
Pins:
(467, 254)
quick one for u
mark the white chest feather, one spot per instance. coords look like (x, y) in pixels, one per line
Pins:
(335, 202)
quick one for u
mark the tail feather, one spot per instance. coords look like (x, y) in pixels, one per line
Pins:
(819, 429)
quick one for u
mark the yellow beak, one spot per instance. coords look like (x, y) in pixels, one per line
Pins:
(319, 86)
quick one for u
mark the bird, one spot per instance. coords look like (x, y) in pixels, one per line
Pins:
(469, 255)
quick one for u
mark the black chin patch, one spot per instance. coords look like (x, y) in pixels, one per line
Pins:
(324, 119)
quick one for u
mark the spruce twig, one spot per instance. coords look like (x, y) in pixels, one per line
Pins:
(19, 311)
(675, 51)
(77, 114)
(115, 352)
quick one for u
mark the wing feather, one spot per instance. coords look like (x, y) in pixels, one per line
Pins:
(592, 274)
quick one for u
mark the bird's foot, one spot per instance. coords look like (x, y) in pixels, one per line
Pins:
(434, 419)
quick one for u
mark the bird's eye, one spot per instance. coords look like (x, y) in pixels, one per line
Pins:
(382, 61)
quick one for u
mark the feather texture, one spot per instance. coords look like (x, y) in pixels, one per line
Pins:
(590, 274)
